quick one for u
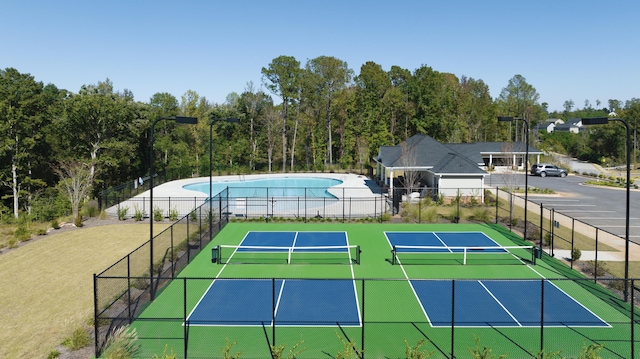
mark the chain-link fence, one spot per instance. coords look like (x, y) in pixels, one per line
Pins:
(124, 289)
(570, 316)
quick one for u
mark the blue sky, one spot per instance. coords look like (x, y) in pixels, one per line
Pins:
(567, 49)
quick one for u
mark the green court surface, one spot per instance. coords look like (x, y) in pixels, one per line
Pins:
(391, 309)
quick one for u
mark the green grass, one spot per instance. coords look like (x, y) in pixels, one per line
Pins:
(392, 316)
(47, 286)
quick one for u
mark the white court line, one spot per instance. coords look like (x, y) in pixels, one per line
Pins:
(500, 304)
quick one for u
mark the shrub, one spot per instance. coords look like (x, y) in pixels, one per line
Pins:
(55, 224)
(171, 355)
(277, 351)
(481, 215)
(158, 214)
(122, 213)
(138, 215)
(41, 232)
(194, 216)
(78, 221)
(173, 214)
(53, 354)
(547, 239)
(385, 217)
(416, 352)
(484, 353)
(78, 339)
(122, 344)
(591, 351)
(91, 208)
(226, 350)
(23, 231)
(349, 350)
(576, 253)
(598, 270)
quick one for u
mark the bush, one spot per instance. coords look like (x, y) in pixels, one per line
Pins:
(91, 208)
(138, 215)
(122, 344)
(78, 339)
(166, 355)
(173, 214)
(158, 214)
(598, 270)
(55, 224)
(416, 352)
(122, 213)
(576, 253)
(481, 215)
(53, 354)
(23, 231)
(78, 220)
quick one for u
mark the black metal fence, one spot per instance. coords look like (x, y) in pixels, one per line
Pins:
(124, 289)
(376, 335)
(343, 204)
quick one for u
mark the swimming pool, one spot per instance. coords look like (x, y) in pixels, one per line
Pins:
(271, 187)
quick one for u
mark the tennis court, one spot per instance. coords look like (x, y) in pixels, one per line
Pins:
(261, 284)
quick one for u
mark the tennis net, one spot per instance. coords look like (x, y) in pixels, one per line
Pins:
(405, 254)
(345, 254)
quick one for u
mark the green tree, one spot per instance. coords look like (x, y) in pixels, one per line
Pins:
(100, 127)
(22, 122)
(518, 98)
(331, 76)
(371, 86)
(281, 77)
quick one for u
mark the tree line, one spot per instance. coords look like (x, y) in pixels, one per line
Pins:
(320, 116)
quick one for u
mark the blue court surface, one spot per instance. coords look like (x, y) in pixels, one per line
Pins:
(440, 239)
(290, 302)
(294, 239)
(501, 303)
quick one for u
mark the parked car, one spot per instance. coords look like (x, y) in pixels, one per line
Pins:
(545, 169)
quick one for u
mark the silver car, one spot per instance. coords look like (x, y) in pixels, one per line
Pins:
(545, 169)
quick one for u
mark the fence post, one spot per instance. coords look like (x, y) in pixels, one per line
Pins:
(595, 272)
(573, 231)
(497, 202)
(96, 321)
(184, 313)
(541, 223)
(633, 322)
(542, 315)
(453, 300)
(362, 316)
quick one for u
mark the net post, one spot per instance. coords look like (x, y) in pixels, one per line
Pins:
(393, 255)
(464, 256)
(358, 251)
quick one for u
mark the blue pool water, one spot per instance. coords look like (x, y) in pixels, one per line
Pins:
(271, 187)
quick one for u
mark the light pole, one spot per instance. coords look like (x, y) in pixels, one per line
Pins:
(524, 166)
(212, 121)
(602, 121)
(177, 119)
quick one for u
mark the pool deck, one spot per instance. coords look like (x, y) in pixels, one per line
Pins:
(352, 186)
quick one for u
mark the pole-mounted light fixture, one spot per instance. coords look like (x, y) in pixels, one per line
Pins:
(212, 121)
(524, 166)
(177, 119)
(602, 121)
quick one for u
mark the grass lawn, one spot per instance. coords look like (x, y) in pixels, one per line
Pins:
(47, 285)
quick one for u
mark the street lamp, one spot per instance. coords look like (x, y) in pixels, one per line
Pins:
(212, 121)
(602, 121)
(177, 119)
(524, 166)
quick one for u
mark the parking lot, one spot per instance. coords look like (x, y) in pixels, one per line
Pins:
(602, 207)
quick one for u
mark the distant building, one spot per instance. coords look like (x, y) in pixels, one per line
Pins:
(448, 168)
(573, 125)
